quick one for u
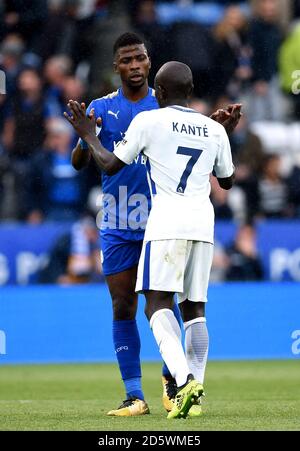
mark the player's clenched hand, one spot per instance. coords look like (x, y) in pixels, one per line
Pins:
(84, 125)
(229, 118)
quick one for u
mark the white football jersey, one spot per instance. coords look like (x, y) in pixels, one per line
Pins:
(182, 147)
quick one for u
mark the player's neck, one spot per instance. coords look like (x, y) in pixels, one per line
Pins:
(134, 95)
(178, 102)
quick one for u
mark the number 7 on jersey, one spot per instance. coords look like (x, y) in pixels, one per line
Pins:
(195, 155)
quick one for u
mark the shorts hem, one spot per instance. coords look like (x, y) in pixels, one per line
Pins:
(125, 268)
(191, 300)
(141, 290)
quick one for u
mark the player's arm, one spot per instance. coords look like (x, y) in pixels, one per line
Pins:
(229, 118)
(226, 182)
(80, 157)
(81, 154)
(223, 167)
(85, 127)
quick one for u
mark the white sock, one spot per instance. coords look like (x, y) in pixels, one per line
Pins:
(167, 334)
(196, 347)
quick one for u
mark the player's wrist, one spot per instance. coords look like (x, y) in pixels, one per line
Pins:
(83, 145)
(89, 138)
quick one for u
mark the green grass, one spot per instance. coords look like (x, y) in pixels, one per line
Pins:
(257, 395)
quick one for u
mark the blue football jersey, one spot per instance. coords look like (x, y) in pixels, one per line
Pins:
(126, 195)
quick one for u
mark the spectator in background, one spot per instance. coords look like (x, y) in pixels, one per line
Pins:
(248, 157)
(265, 100)
(247, 147)
(24, 127)
(293, 184)
(56, 192)
(219, 199)
(201, 106)
(232, 49)
(26, 17)
(192, 44)
(296, 8)
(228, 205)
(144, 20)
(75, 257)
(289, 66)
(219, 264)
(11, 52)
(57, 69)
(244, 263)
(23, 134)
(273, 193)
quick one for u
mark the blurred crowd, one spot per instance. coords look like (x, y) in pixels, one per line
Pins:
(54, 50)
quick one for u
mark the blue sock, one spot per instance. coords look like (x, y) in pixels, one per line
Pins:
(176, 311)
(127, 347)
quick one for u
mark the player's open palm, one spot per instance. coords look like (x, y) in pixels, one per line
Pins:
(84, 125)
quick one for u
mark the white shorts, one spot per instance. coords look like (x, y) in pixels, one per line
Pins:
(178, 266)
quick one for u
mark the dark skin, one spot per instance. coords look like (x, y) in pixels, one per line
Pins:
(132, 63)
(173, 85)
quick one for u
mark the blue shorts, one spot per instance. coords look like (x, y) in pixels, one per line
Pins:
(119, 252)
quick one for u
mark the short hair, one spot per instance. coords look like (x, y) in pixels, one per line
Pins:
(127, 39)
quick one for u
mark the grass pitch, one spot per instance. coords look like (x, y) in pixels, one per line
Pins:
(256, 395)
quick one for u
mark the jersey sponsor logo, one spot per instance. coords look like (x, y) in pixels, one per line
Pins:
(141, 158)
(114, 114)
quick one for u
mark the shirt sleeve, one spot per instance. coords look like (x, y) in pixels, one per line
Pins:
(98, 106)
(223, 166)
(134, 141)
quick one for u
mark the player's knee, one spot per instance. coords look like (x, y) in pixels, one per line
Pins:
(124, 308)
(156, 301)
(191, 310)
(149, 310)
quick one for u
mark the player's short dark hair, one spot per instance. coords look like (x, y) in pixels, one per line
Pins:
(127, 39)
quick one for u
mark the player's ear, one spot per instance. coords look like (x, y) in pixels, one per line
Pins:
(150, 62)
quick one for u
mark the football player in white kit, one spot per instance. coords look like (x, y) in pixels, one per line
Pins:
(182, 148)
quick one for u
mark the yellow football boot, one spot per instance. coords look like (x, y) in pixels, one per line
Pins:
(185, 398)
(131, 407)
(169, 392)
(195, 410)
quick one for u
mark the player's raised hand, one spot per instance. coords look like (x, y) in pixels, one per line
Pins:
(84, 125)
(91, 115)
(229, 117)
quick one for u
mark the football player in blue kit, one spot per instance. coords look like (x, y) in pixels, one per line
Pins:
(126, 204)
